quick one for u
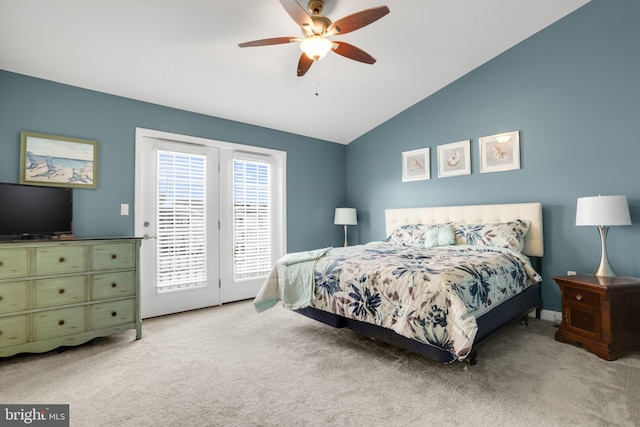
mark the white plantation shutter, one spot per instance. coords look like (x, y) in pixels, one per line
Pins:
(181, 221)
(252, 218)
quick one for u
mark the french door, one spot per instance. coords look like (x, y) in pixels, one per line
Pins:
(212, 217)
(179, 212)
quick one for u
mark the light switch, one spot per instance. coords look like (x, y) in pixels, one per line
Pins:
(124, 209)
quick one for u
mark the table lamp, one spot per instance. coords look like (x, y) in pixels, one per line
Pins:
(602, 212)
(345, 216)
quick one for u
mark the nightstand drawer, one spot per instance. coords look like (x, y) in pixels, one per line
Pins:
(13, 331)
(115, 313)
(580, 296)
(60, 291)
(60, 259)
(57, 323)
(14, 263)
(113, 256)
(113, 285)
(14, 296)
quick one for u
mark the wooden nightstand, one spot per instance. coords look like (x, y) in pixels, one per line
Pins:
(601, 314)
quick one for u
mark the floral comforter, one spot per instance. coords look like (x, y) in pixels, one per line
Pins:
(430, 295)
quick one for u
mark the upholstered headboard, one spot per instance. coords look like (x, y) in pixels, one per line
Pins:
(475, 214)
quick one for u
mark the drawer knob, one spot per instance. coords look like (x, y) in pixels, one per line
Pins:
(61, 259)
(114, 256)
(0, 297)
(114, 314)
(1, 263)
(61, 322)
(61, 291)
(579, 297)
(113, 285)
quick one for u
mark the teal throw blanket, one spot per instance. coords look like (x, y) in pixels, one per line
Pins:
(298, 280)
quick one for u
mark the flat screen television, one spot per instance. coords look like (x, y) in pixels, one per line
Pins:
(34, 212)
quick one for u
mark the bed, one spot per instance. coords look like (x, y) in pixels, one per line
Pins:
(443, 280)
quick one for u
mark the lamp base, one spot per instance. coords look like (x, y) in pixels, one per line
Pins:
(604, 269)
(345, 236)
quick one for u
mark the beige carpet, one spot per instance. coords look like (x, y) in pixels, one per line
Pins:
(229, 366)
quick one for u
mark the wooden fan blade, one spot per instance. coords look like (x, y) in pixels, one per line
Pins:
(350, 51)
(268, 42)
(297, 12)
(357, 20)
(304, 64)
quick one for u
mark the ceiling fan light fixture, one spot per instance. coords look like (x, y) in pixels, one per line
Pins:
(316, 46)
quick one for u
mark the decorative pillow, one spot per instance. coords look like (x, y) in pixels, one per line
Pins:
(440, 236)
(422, 235)
(409, 235)
(504, 235)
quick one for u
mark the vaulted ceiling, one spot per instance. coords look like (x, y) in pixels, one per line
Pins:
(185, 54)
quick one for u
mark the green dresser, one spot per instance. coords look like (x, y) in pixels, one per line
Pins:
(60, 293)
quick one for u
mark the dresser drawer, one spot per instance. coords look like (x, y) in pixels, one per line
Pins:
(113, 285)
(14, 296)
(60, 259)
(579, 296)
(60, 291)
(113, 256)
(57, 323)
(14, 263)
(13, 330)
(114, 313)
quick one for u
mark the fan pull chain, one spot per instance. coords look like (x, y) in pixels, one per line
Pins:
(317, 76)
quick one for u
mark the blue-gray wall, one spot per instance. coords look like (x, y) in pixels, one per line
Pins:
(573, 91)
(37, 105)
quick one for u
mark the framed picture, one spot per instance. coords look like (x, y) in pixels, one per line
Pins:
(58, 161)
(500, 152)
(454, 159)
(415, 165)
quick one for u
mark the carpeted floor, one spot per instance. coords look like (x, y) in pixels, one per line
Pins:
(229, 366)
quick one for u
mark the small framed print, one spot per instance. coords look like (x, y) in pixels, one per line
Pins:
(500, 152)
(454, 159)
(415, 165)
(58, 161)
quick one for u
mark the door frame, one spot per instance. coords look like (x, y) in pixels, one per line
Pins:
(226, 150)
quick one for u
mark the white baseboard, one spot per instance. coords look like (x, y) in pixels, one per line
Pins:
(552, 316)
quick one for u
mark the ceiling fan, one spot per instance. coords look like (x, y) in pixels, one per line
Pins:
(316, 27)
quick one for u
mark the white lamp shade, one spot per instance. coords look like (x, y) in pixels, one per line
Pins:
(603, 210)
(345, 216)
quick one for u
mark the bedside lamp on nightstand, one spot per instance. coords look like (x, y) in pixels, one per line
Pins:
(345, 216)
(602, 212)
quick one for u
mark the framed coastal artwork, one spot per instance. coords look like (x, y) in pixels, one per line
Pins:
(58, 161)
(500, 152)
(454, 159)
(415, 165)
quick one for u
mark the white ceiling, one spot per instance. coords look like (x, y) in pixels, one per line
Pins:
(184, 54)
